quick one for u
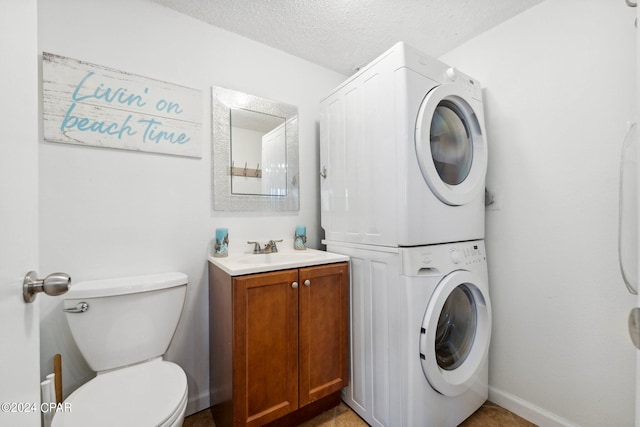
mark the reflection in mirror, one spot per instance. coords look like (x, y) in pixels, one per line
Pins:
(258, 154)
(255, 153)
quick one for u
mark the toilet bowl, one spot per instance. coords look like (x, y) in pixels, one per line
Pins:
(123, 327)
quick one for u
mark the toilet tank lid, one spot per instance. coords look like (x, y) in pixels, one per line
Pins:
(125, 285)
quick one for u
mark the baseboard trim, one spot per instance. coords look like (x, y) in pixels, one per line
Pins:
(527, 410)
(197, 403)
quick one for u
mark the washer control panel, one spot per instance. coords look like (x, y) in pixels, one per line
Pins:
(436, 260)
(467, 254)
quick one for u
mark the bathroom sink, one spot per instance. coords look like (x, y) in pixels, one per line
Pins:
(276, 257)
(248, 263)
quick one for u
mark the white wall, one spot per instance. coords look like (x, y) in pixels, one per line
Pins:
(108, 213)
(560, 87)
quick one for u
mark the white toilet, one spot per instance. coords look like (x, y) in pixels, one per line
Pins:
(126, 328)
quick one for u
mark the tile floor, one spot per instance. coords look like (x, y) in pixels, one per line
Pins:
(489, 415)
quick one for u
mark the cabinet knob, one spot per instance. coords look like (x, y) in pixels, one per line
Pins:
(294, 285)
(307, 282)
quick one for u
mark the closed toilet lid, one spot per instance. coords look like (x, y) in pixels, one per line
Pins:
(147, 394)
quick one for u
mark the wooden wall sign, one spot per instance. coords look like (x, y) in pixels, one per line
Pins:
(90, 104)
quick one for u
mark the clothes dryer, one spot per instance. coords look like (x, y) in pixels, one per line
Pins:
(403, 154)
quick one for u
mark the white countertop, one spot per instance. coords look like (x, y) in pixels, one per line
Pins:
(248, 263)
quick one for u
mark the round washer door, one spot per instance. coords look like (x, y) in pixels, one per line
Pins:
(450, 145)
(455, 334)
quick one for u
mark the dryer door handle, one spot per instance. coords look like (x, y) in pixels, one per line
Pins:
(634, 326)
(628, 212)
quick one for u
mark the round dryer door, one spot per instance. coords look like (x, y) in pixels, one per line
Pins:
(455, 334)
(450, 145)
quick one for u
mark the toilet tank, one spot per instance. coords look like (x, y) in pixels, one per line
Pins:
(128, 320)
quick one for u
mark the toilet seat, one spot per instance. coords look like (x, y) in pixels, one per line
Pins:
(152, 393)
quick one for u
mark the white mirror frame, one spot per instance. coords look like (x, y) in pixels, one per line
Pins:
(222, 101)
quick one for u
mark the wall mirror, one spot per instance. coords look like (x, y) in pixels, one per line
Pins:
(255, 153)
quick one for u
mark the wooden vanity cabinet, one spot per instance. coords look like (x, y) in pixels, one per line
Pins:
(288, 333)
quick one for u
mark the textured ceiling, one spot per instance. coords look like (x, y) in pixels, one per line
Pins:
(343, 35)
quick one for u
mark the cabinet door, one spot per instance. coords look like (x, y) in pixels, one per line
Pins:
(265, 342)
(324, 313)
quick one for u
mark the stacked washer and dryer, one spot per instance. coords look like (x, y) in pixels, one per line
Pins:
(403, 161)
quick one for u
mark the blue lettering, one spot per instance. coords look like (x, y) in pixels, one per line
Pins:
(149, 122)
(69, 121)
(153, 133)
(84, 124)
(126, 128)
(168, 106)
(75, 96)
(108, 94)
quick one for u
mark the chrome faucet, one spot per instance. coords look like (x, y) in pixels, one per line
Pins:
(269, 247)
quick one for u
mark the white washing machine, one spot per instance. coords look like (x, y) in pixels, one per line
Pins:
(446, 331)
(420, 333)
(403, 154)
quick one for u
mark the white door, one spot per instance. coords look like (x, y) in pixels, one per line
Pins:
(628, 237)
(638, 195)
(455, 333)
(19, 322)
(450, 145)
